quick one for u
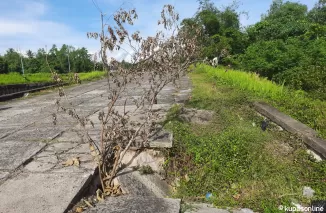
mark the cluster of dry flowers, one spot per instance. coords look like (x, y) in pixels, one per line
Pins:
(158, 60)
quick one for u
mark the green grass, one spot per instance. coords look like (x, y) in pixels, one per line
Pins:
(294, 103)
(16, 78)
(237, 162)
(87, 76)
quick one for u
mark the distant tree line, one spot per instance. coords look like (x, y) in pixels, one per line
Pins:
(59, 59)
(288, 44)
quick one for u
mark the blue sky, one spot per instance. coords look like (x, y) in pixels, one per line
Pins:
(31, 24)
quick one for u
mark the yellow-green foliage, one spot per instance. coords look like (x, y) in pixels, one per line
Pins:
(293, 102)
(245, 81)
(16, 78)
(91, 75)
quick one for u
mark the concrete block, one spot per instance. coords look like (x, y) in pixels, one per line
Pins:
(125, 204)
(39, 193)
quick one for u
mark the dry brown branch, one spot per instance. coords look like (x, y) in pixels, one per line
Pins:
(158, 60)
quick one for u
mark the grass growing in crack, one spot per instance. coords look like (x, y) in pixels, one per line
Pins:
(146, 170)
(236, 161)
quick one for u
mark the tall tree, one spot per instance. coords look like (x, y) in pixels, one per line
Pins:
(3, 66)
(283, 20)
(318, 13)
(13, 60)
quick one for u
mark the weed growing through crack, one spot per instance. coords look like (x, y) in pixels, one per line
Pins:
(157, 61)
(146, 170)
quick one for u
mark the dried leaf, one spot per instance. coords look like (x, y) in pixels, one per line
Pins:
(88, 204)
(236, 196)
(187, 178)
(76, 161)
(93, 150)
(91, 147)
(99, 195)
(79, 209)
(71, 162)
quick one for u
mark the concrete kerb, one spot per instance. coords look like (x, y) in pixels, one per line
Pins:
(83, 189)
(293, 126)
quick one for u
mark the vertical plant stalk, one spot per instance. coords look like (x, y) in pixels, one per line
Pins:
(158, 60)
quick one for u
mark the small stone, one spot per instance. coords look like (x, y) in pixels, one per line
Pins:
(3, 175)
(280, 128)
(314, 155)
(308, 192)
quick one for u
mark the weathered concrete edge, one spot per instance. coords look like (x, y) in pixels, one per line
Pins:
(317, 144)
(83, 188)
(288, 123)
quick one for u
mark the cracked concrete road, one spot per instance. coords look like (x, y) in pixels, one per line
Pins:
(33, 150)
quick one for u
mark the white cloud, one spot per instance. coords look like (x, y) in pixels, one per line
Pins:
(23, 26)
(148, 14)
(33, 9)
(12, 28)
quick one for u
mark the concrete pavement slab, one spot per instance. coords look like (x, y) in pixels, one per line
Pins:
(14, 153)
(39, 193)
(61, 147)
(37, 166)
(14, 112)
(44, 184)
(69, 136)
(5, 131)
(37, 134)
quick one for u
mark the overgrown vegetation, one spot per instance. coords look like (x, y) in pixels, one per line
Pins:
(287, 45)
(232, 158)
(16, 78)
(296, 103)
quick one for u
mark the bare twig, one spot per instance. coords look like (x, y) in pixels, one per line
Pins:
(156, 61)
